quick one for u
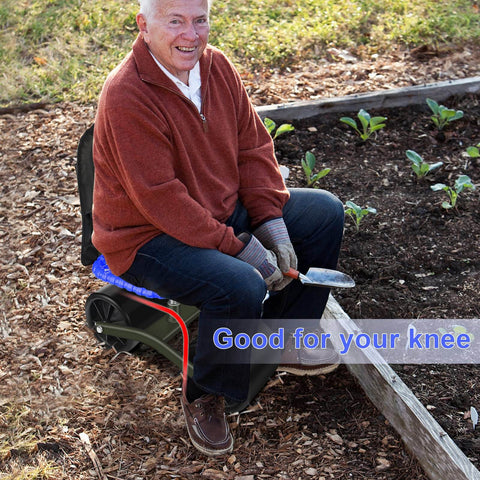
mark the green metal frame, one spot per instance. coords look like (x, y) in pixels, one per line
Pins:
(155, 335)
(113, 315)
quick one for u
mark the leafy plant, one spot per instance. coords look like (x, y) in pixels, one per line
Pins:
(368, 124)
(473, 151)
(271, 125)
(462, 182)
(442, 115)
(308, 164)
(357, 213)
(420, 167)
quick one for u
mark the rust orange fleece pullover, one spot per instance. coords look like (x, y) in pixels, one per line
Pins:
(161, 167)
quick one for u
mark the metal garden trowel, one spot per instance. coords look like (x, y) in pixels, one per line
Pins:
(322, 277)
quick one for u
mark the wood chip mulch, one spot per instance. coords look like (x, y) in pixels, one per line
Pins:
(69, 409)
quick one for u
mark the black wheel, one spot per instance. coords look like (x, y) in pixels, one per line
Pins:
(103, 306)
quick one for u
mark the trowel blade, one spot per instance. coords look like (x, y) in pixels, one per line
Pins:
(324, 277)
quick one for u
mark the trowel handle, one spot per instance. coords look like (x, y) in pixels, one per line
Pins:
(292, 273)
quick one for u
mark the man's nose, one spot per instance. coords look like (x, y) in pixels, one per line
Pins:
(190, 32)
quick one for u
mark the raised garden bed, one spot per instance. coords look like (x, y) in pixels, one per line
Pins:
(413, 259)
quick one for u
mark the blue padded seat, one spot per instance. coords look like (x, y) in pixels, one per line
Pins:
(102, 271)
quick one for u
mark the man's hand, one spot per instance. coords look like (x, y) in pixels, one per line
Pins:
(274, 236)
(262, 259)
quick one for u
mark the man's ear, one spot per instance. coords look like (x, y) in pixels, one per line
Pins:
(142, 24)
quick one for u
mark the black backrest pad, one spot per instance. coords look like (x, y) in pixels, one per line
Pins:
(85, 176)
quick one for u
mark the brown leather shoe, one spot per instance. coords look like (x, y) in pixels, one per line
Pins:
(308, 361)
(207, 425)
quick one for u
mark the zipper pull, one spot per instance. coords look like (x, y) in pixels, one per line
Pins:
(205, 124)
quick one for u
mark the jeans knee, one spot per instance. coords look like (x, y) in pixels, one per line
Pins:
(240, 296)
(329, 212)
(248, 292)
(338, 213)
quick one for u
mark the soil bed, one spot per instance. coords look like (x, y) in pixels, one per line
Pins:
(410, 260)
(413, 259)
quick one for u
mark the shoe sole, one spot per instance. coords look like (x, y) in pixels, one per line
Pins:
(303, 372)
(203, 449)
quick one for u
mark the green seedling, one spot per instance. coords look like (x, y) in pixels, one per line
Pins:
(368, 124)
(271, 125)
(462, 182)
(357, 213)
(420, 167)
(308, 164)
(473, 152)
(442, 115)
(456, 331)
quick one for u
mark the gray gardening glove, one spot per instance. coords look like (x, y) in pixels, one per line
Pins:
(274, 236)
(255, 254)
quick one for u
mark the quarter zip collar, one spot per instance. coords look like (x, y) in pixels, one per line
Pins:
(192, 90)
(150, 73)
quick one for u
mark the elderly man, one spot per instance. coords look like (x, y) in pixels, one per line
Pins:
(189, 202)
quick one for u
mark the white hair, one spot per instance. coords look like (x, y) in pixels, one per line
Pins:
(147, 7)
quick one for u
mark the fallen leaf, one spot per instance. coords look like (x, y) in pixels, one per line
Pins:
(40, 60)
(335, 438)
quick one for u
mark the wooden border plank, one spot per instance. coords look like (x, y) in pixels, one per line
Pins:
(435, 450)
(398, 97)
(27, 107)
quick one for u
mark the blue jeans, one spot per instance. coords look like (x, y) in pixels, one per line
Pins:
(227, 290)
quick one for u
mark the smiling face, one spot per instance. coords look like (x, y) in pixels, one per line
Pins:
(176, 32)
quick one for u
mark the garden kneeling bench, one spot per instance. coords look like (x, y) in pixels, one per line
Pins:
(122, 315)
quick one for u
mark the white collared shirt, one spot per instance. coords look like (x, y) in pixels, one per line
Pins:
(192, 90)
